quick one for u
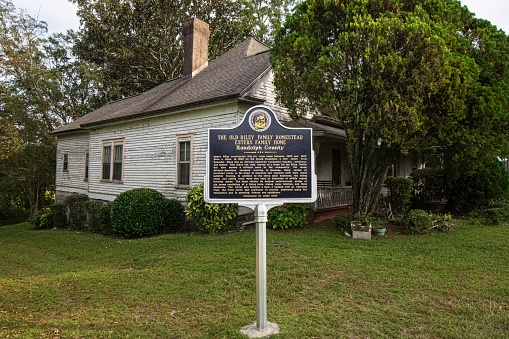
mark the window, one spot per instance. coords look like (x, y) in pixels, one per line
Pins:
(66, 162)
(87, 160)
(184, 161)
(112, 160)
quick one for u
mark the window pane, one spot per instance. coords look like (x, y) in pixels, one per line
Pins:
(117, 171)
(184, 174)
(106, 171)
(107, 154)
(188, 151)
(87, 159)
(185, 151)
(117, 163)
(106, 162)
(118, 153)
(66, 162)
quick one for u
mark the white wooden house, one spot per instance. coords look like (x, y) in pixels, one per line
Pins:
(158, 139)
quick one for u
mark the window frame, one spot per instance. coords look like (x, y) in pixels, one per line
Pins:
(65, 162)
(112, 143)
(183, 139)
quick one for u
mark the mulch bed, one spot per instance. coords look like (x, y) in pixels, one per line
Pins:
(392, 230)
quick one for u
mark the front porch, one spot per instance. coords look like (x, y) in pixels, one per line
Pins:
(330, 201)
(334, 191)
(333, 197)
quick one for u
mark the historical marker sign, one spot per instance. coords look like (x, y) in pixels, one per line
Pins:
(260, 164)
(260, 160)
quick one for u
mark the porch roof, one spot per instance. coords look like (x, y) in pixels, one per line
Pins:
(319, 129)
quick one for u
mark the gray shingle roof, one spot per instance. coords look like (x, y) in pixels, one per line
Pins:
(227, 77)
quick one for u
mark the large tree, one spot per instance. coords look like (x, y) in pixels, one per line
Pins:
(76, 84)
(41, 87)
(137, 44)
(400, 75)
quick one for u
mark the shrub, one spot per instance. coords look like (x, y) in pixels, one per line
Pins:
(175, 218)
(139, 212)
(288, 216)
(43, 219)
(105, 212)
(211, 218)
(93, 209)
(443, 222)
(489, 183)
(429, 185)
(343, 221)
(418, 222)
(400, 193)
(494, 214)
(75, 204)
(59, 215)
(362, 217)
(10, 215)
(49, 217)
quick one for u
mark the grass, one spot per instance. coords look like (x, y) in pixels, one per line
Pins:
(59, 283)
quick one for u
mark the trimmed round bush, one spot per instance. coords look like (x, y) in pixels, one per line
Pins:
(139, 212)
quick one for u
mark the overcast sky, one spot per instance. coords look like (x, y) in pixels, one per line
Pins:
(60, 15)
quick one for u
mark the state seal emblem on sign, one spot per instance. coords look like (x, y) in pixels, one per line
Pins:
(259, 120)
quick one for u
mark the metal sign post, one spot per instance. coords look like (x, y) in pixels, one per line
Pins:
(260, 164)
(260, 216)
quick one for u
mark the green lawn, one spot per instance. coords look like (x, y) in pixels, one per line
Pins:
(60, 283)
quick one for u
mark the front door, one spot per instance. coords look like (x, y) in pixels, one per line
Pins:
(336, 167)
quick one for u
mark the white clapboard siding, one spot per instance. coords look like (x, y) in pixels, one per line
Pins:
(73, 180)
(150, 147)
(266, 91)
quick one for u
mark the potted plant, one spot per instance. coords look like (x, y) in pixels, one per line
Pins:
(379, 228)
(361, 226)
(362, 219)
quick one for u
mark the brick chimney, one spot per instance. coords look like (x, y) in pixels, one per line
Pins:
(196, 46)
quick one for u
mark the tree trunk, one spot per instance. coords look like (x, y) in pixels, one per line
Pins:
(369, 165)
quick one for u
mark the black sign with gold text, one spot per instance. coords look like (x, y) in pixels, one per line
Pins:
(260, 159)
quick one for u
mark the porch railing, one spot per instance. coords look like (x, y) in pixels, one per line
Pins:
(330, 197)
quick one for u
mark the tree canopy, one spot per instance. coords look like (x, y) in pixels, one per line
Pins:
(137, 44)
(400, 75)
(41, 88)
